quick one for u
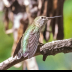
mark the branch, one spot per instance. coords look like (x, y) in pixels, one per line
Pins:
(51, 48)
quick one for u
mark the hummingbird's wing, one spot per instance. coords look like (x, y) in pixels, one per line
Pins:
(32, 45)
(17, 48)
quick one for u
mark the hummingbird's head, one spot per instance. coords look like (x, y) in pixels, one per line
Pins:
(40, 21)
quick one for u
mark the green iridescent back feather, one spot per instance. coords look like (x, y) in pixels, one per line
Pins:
(29, 41)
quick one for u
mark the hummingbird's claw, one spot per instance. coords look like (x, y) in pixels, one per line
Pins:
(44, 57)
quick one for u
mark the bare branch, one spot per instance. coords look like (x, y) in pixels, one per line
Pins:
(50, 48)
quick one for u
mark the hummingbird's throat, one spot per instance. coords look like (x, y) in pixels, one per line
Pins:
(38, 25)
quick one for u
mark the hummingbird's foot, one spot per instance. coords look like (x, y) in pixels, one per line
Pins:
(44, 57)
(41, 44)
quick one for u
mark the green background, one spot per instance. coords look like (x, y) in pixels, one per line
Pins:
(58, 62)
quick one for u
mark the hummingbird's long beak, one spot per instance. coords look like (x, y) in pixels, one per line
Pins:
(53, 17)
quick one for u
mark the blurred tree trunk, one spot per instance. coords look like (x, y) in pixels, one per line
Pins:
(58, 21)
(54, 8)
(33, 10)
(6, 19)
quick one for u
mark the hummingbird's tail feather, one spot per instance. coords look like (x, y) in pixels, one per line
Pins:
(17, 48)
(19, 54)
(25, 54)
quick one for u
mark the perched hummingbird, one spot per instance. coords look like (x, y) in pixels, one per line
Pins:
(28, 43)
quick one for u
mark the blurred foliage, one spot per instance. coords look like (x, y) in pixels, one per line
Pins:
(58, 62)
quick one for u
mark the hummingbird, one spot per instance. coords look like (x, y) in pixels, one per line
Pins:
(29, 41)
